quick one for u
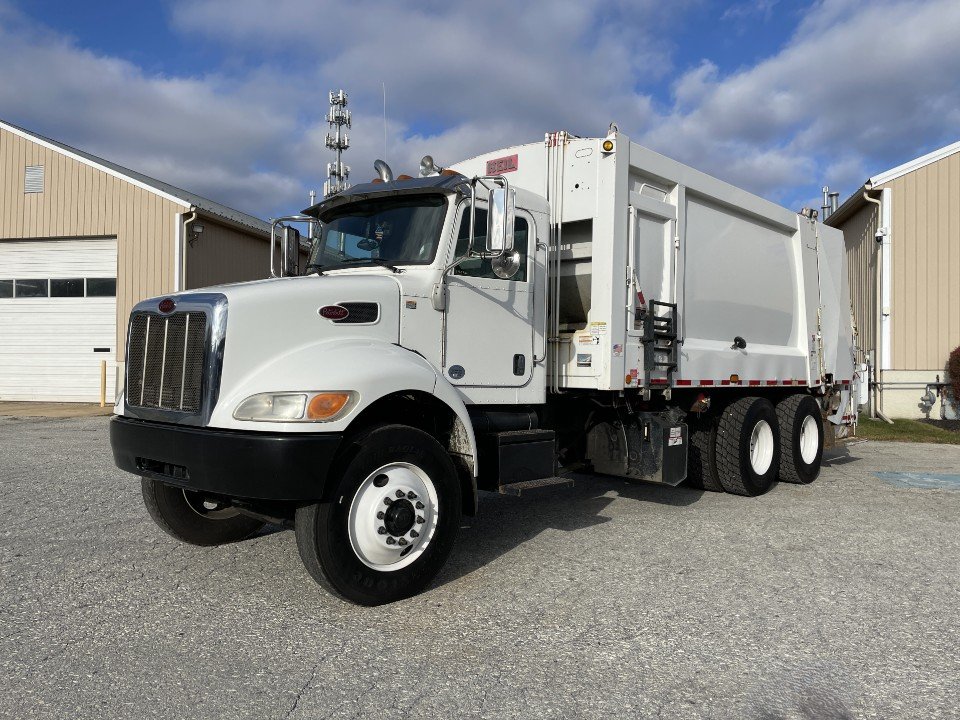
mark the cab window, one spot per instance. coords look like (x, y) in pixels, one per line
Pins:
(480, 267)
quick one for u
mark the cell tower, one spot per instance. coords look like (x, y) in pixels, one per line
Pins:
(338, 118)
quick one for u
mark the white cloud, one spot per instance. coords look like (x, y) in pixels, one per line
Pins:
(862, 81)
(208, 134)
(857, 85)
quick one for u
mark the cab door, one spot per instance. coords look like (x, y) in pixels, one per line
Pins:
(489, 335)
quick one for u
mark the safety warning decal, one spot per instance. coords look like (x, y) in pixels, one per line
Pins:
(676, 436)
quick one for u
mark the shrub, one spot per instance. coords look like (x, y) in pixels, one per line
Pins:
(953, 368)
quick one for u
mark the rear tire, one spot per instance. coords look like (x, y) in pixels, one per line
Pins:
(393, 522)
(192, 518)
(748, 446)
(701, 456)
(801, 439)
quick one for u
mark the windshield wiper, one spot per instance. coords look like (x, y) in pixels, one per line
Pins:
(375, 261)
(313, 267)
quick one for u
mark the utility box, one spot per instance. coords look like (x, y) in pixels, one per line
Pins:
(644, 447)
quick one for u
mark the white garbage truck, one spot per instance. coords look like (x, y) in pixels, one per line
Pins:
(559, 308)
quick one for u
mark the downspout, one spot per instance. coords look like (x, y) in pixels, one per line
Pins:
(181, 270)
(879, 360)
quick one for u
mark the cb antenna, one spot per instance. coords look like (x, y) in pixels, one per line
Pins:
(338, 118)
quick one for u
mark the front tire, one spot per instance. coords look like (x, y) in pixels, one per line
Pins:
(748, 446)
(193, 518)
(801, 439)
(393, 522)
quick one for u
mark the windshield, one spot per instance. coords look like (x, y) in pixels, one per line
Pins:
(384, 231)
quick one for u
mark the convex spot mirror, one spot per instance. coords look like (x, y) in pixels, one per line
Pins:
(506, 265)
(501, 207)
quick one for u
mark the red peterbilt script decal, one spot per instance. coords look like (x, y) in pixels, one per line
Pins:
(334, 312)
(502, 165)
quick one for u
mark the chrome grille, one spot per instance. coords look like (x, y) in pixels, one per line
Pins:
(165, 361)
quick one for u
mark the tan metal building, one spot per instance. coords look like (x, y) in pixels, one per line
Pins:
(902, 235)
(81, 241)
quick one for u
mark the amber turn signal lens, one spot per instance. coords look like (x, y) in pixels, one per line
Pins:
(607, 145)
(325, 405)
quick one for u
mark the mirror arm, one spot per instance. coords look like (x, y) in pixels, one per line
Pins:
(273, 234)
(497, 180)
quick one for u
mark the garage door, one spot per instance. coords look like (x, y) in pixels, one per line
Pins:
(58, 319)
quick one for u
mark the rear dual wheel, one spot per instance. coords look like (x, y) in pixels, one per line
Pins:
(701, 455)
(747, 446)
(752, 443)
(801, 439)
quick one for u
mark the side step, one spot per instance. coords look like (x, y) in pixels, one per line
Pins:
(516, 459)
(519, 488)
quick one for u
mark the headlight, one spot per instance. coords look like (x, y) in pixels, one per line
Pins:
(296, 407)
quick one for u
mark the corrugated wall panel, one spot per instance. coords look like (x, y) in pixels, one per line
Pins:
(858, 234)
(926, 264)
(221, 254)
(82, 201)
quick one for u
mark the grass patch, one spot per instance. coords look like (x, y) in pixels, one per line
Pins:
(905, 431)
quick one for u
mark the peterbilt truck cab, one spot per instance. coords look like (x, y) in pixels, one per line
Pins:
(329, 397)
(479, 328)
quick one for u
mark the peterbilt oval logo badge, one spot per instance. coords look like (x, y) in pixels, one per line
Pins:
(167, 305)
(334, 312)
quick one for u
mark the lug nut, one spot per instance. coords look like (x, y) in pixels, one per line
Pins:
(382, 530)
(402, 541)
(391, 541)
(411, 495)
(387, 501)
(399, 493)
(380, 515)
(414, 533)
(420, 520)
(419, 505)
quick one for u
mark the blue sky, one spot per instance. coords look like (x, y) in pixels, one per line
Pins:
(226, 97)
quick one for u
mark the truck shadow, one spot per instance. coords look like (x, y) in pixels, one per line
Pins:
(838, 457)
(505, 522)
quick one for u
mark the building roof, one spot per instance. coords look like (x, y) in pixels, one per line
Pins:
(166, 190)
(855, 201)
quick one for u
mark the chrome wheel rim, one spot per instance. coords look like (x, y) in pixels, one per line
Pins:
(809, 440)
(393, 517)
(761, 447)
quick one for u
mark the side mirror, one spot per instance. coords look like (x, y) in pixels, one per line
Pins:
(501, 207)
(291, 252)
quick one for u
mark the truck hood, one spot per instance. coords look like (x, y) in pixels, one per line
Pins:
(267, 319)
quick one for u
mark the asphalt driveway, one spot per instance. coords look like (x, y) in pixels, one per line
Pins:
(838, 599)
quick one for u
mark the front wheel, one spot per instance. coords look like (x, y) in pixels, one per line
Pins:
(193, 518)
(393, 521)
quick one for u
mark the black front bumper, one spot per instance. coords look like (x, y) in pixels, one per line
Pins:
(254, 465)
